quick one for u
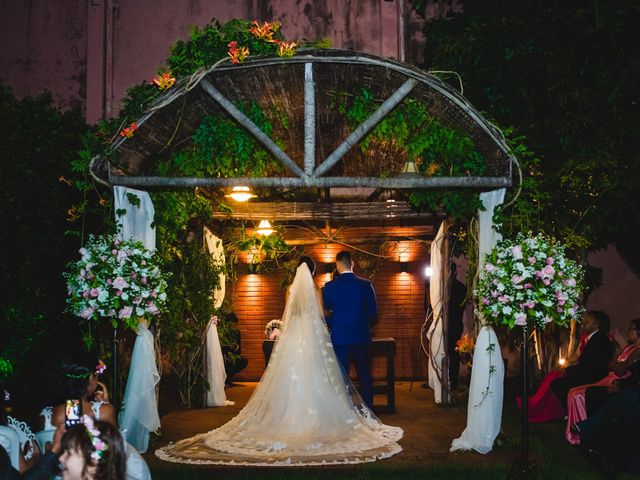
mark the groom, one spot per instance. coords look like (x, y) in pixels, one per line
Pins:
(352, 303)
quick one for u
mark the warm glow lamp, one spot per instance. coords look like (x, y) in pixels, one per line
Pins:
(264, 228)
(410, 169)
(240, 194)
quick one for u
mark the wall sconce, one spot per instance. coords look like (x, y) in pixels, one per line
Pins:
(409, 169)
(427, 272)
(264, 228)
(328, 267)
(404, 267)
(241, 194)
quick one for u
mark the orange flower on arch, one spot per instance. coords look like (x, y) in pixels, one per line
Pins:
(237, 54)
(165, 81)
(287, 49)
(129, 131)
(264, 32)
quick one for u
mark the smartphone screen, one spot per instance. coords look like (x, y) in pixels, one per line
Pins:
(73, 412)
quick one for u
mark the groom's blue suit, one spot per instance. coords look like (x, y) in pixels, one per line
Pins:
(353, 303)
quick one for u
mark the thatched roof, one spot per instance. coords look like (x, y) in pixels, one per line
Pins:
(169, 124)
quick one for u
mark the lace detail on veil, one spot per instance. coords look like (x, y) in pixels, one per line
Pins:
(304, 411)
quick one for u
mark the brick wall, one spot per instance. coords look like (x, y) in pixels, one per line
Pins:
(260, 298)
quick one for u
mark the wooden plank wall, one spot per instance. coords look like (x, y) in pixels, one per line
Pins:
(260, 298)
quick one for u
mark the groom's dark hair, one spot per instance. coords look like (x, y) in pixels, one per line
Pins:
(309, 261)
(344, 258)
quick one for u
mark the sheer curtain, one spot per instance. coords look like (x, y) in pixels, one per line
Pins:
(486, 391)
(139, 414)
(216, 374)
(437, 349)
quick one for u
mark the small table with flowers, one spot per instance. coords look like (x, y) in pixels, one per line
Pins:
(386, 346)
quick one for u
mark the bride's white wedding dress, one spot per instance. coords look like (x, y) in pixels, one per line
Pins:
(304, 411)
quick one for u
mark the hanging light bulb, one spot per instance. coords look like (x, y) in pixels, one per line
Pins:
(241, 193)
(264, 228)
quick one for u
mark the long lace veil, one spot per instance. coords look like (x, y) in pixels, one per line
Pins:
(304, 411)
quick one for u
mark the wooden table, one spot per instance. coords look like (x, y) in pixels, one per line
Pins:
(379, 346)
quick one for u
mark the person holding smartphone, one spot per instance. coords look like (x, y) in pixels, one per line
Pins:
(84, 395)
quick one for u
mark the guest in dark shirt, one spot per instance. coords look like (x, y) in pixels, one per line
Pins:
(593, 362)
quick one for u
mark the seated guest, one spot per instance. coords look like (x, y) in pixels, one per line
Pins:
(609, 436)
(593, 363)
(81, 382)
(25, 461)
(93, 451)
(44, 469)
(576, 406)
(544, 406)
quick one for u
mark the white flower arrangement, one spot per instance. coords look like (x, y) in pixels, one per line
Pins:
(530, 281)
(273, 329)
(116, 280)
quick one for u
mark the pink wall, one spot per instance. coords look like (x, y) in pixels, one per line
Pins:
(619, 294)
(91, 51)
(43, 46)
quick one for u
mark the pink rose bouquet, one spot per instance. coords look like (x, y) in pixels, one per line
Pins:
(530, 280)
(116, 280)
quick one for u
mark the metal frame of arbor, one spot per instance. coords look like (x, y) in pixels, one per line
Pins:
(313, 173)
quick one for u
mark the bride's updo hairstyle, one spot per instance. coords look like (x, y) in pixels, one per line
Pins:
(310, 263)
(109, 458)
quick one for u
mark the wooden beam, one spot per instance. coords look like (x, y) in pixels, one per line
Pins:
(246, 122)
(365, 127)
(309, 120)
(294, 182)
(281, 211)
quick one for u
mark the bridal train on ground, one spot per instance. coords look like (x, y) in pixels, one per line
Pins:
(303, 412)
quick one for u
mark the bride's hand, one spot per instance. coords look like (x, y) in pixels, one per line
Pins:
(101, 395)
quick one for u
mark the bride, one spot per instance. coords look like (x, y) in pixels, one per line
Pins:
(304, 411)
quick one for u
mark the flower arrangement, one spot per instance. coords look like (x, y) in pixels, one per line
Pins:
(99, 446)
(465, 344)
(118, 280)
(273, 329)
(530, 279)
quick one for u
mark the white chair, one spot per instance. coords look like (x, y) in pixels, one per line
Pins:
(11, 442)
(43, 437)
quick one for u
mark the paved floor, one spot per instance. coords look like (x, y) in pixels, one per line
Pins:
(429, 428)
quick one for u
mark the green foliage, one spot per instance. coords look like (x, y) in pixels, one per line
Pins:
(564, 73)
(210, 44)
(194, 278)
(439, 150)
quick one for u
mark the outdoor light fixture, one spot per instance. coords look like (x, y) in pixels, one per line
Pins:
(410, 169)
(404, 267)
(427, 272)
(264, 228)
(241, 193)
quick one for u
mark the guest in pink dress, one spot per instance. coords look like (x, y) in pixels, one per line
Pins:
(544, 406)
(576, 408)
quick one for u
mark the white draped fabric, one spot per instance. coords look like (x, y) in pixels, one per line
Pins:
(214, 245)
(216, 374)
(139, 414)
(303, 411)
(437, 349)
(135, 219)
(486, 391)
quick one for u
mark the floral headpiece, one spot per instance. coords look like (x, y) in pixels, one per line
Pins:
(100, 367)
(94, 434)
